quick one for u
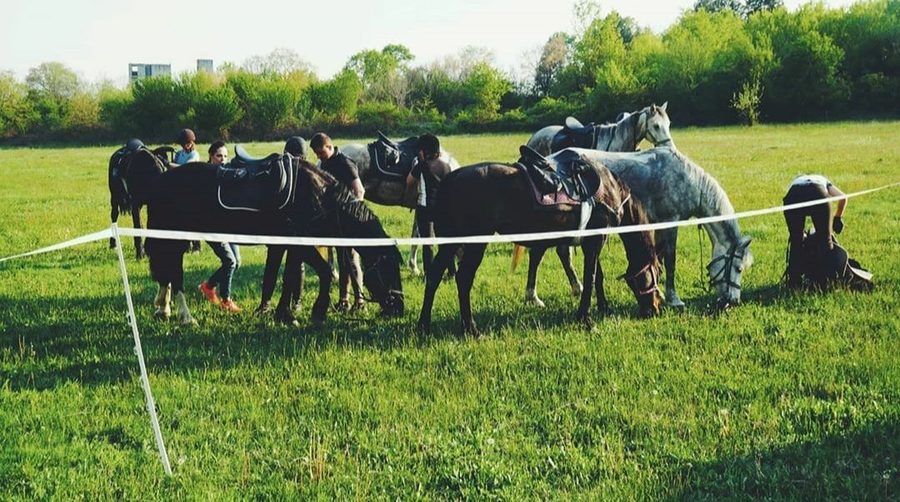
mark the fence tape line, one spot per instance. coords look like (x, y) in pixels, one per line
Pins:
(539, 236)
(96, 236)
(407, 241)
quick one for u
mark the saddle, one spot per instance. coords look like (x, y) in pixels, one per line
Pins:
(256, 184)
(392, 160)
(574, 134)
(571, 181)
(822, 267)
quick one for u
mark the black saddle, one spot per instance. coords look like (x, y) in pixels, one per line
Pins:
(571, 175)
(256, 184)
(574, 134)
(393, 160)
(822, 267)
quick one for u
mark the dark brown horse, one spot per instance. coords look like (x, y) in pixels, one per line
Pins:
(132, 169)
(484, 199)
(189, 198)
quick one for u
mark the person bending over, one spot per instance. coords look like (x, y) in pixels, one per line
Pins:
(805, 188)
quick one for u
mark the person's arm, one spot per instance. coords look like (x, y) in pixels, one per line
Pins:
(836, 192)
(413, 177)
(357, 189)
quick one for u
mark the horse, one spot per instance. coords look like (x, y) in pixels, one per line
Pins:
(190, 198)
(389, 190)
(671, 188)
(651, 122)
(491, 197)
(131, 170)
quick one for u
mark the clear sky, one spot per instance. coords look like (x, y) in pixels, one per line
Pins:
(98, 38)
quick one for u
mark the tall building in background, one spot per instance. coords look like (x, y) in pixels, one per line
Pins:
(205, 65)
(137, 71)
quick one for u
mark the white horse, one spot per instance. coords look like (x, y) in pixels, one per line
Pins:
(671, 188)
(625, 135)
(389, 192)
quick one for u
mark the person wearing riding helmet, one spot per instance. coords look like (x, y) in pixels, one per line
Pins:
(431, 170)
(296, 147)
(188, 153)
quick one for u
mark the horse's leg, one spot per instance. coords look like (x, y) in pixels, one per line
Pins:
(565, 257)
(310, 255)
(136, 218)
(413, 261)
(535, 255)
(113, 217)
(284, 312)
(591, 248)
(295, 259)
(184, 314)
(465, 277)
(666, 241)
(162, 302)
(602, 305)
(274, 254)
(446, 254)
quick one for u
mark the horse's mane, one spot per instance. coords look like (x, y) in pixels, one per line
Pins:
(322, 187)
(713, 199)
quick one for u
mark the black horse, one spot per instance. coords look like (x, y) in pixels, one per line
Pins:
(189, 198)
(486, 198)
(132, 169)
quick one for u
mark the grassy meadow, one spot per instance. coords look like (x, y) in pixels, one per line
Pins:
(789, 396)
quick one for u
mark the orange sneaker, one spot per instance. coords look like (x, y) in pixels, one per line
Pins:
(229, 305)
(209, 293)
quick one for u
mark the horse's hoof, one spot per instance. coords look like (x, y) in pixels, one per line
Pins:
(586, 322)
(188, 321)
(577, 289)
(263, 309)
(162, 315)
(535, 301)
(112, 244)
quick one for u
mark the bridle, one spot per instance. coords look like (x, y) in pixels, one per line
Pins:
(736, 251)
(653, 140)
(631, 280)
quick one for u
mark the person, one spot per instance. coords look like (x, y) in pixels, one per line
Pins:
(228, 253)
(295, 146)
(807, 188)
(188, 153)
(345, 171)
(431, 170)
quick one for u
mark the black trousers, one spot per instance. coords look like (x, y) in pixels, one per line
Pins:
(796, 223)
(425, 224)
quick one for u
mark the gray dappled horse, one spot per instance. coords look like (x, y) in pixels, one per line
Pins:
(389, 192)
(671, 188)
(489, 198)
(651, 122)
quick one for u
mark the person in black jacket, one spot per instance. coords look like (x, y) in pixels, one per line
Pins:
(431, 170)
(345, 171)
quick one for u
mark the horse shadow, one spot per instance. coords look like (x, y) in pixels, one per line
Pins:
(857, 465)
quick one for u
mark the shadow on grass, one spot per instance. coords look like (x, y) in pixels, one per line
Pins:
(859, 465)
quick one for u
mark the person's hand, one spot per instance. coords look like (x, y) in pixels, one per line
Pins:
(837, 224)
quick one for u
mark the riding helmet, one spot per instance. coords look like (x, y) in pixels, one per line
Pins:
(295, 146)
(133, 144)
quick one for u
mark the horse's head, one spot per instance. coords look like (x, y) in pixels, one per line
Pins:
(381, 276)
(725, 271)
(654, 123)
(644, 284)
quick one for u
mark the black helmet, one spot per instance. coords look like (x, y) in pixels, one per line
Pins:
(295, 146)
(186, 136)
(133, 144)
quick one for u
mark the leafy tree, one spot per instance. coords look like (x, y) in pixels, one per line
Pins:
(16, 111)
(554, 56)
(115, 109)
(338, 98)
(734, 6)
(158, 108)
(51, 86)
(280, 61)
(483, 88)
(382, 73)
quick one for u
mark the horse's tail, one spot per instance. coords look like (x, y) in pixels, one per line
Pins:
(120, 198)
(518, 252)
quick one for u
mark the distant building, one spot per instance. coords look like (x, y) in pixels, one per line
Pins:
(137, 71)
(205, 65)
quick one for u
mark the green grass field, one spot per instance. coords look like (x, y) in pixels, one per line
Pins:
(788, 396)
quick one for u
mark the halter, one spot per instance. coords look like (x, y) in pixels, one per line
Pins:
(653, 140)
(730, 256)
(631, 280)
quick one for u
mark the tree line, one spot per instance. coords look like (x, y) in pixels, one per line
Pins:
(723, 62)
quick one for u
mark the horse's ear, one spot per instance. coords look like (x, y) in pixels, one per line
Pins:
(664, 105)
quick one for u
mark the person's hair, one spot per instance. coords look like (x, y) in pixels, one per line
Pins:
(295, 146)
(215, 146)
(319, 140)
(430, 145)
